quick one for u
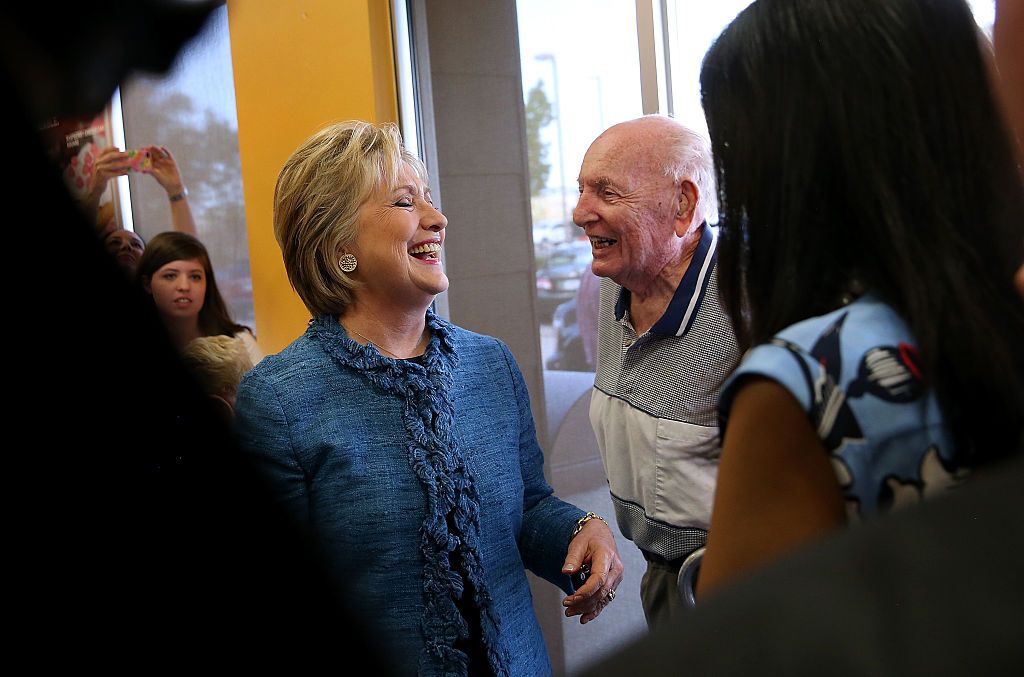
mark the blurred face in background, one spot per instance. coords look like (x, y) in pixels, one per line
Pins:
(126, 247)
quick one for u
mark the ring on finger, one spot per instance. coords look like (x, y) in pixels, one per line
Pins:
(611, 594)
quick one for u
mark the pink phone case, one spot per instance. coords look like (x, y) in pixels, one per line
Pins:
(140, 159)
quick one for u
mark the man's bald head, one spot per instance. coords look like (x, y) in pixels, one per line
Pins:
(665, 146)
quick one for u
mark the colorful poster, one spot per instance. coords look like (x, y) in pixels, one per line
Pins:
(74, 143)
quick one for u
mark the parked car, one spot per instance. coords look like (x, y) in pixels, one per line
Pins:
(549, 233)
(569, 354)
(558, 276)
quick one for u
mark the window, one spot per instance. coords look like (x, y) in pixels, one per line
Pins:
(689, 28)
(191, 110)
(581, 74)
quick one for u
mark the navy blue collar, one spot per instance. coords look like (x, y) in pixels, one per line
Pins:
(685, 303)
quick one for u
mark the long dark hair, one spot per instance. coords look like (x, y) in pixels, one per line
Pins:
(168, 246)
(857, 143)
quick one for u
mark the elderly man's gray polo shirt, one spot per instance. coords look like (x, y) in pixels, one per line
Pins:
(653, 408)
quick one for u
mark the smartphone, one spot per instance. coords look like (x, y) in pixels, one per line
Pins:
(580, 577)
(140, 160)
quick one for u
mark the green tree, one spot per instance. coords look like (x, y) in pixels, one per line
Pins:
(538, 116)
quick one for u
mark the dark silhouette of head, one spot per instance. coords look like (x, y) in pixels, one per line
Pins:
(858, 145)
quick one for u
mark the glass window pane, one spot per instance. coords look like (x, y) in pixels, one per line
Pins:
(191, 110)
(581, 74)
(692, 27)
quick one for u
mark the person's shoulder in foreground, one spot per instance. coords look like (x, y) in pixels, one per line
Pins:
(934, 589)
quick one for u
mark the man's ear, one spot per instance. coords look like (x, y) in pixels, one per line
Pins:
(686, 207)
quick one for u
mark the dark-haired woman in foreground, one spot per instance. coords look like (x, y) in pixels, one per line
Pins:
(871, 227)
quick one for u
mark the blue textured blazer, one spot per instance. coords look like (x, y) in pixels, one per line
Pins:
(402, 468)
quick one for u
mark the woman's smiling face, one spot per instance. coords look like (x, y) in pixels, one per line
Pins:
(399, 245)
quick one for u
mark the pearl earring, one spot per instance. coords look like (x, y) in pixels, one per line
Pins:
(347, 263)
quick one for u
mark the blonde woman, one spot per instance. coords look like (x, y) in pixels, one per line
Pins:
(407, 443)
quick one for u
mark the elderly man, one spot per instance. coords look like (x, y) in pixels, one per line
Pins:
(665, 344)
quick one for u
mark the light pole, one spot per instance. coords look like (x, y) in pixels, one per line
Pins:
(558, 131)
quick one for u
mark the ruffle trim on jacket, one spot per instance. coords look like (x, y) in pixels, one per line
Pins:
(452, 521)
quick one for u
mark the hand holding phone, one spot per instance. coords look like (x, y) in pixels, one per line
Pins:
(140, 159)
(581, 575)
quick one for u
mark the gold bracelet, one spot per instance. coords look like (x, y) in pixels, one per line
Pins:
(583, 520)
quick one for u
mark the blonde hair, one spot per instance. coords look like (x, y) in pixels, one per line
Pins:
(317, 199)
(217, 362)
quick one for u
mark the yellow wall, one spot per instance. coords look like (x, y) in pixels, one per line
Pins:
(298, 65)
